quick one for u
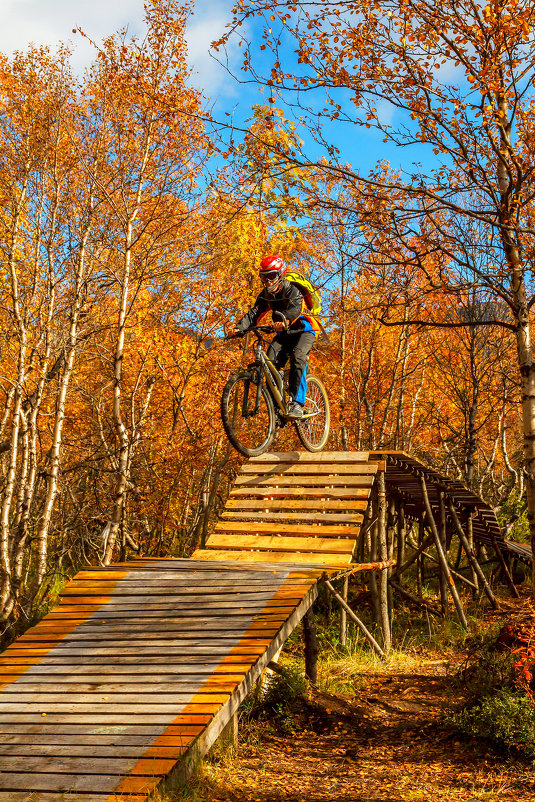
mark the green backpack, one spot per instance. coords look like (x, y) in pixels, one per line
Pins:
(308, 290)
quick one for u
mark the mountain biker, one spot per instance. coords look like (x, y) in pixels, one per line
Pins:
(296, 332)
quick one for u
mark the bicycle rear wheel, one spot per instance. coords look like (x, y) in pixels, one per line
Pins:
(250, 433)
(313, 427)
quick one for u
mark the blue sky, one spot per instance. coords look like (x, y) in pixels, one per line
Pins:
(52, 21)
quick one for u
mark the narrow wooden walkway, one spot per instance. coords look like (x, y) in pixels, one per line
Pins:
(141, 665)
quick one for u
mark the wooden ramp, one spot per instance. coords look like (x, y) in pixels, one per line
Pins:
(141, 665)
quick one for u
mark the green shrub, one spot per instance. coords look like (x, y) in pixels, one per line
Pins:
(486, 671)
(506, 719)
(514, 510)
(278, 700)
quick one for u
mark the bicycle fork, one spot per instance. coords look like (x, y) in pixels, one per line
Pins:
(273, 387)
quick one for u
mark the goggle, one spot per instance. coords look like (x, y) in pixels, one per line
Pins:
(269, 276)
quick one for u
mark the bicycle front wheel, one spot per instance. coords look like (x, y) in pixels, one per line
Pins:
(250, 432)
(313, 427)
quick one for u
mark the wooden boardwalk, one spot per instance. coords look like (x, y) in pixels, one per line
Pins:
(141, 665)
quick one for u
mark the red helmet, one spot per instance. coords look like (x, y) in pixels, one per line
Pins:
(272, 270)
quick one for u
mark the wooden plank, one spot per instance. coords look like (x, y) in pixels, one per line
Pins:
(128, 646)
(318, 517)
(230, 573)
(308, 530)
(196, 566)
(127, 673)
(256, 596)
(170, 589)
(96, 750)
(217, 641)
(61, 783)
(261, 480)
(236, 611)
(290, 544)
(113, 650)
(307, 456)
(132, 589)
(152, 596)
(141, 638)
(178, 623)
(111, 703)
(67, 765)
(90, 596)
(142, 685)
(295, 504)
(255, 603)
(188, 591)
(333, 560)
(302, 492)
(40, 730)
(36, 738)
(241, 612)
(315, 469)
(27, 796)
(91, 706)
(124, 663)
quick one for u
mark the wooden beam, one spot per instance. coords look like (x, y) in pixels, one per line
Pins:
(365, 631)
(442, 556)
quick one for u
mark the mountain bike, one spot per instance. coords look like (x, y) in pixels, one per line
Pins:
(254, 405)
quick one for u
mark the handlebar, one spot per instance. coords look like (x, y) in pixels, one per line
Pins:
(254, 329)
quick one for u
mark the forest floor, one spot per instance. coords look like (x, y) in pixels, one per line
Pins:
(387, 740)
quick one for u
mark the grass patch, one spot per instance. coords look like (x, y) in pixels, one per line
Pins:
(505, 718)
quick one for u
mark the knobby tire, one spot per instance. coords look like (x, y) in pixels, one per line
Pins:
(251, 436)
(313, 431)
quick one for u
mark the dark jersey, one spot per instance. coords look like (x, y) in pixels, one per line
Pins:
(288, 300)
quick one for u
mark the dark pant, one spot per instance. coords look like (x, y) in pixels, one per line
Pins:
(297, 348)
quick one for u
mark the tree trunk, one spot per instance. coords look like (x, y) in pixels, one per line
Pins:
(311, 646)
(383, 556)
(121, 432)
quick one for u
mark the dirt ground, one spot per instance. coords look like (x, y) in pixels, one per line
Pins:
(388, 743)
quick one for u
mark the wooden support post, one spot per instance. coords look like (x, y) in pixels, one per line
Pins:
(229, 735)
(383, 556)
(391, 529)
(343, 614)
(471, 556)
(401, 537)
(365, 631)
(504, 566)
(363, 535)
(470, 538)
(372, 550)
(415, 599)
(311, 646)
(414, 556)
(442, 577)
(442, 556)
(453, 573)
(419, 559)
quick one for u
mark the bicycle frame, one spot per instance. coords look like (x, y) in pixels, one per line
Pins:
(265, 368)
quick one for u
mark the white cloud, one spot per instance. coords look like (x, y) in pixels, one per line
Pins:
(49, 22)
(203, 29)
